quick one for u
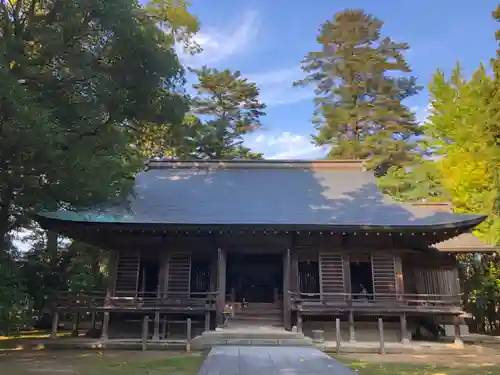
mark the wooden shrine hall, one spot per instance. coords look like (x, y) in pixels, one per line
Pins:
(313, 240)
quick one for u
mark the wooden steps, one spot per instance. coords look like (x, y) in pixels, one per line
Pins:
(258, 314)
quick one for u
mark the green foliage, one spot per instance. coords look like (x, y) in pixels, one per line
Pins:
(79, 80)
(174, 18)
(232, 106)
(359, 92)
(227, 106)
(180, 142)
(457, 130)
(416, 183)
(67, 266)
(480, 283)
(15, 302)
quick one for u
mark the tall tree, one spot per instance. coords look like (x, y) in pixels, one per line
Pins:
(494, 111)
(458, 132)
(359, 91)
(79, 79)
(232, 108)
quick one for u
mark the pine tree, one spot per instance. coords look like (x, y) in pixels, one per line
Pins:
(231, 104)
(360, 89)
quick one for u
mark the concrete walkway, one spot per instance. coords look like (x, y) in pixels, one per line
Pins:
(270, 360)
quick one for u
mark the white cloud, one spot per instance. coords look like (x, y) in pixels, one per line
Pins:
(221, 44)
(421, 113)
(285, 145)
(289, 74)
(276, 86)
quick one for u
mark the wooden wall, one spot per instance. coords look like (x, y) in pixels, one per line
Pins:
(431, 274)
(174, 268)
(394, 271)
(334, 269)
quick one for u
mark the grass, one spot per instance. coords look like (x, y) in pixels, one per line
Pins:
(99, 363)
(177, 365)
(27, 338)
(462, 368)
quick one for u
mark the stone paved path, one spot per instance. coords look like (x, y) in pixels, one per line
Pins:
(269, 360)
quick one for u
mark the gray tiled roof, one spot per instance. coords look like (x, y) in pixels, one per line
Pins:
(264, 193)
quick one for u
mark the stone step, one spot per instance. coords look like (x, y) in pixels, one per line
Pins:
(200, 345)
(259, 318)
(254, 321)
(265, 332)
(253, 325)
(251, 337)
(259, 312)
(260, 305)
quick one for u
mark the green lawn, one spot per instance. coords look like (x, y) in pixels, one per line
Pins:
(100, 363)
(28, 338)
(461, 368)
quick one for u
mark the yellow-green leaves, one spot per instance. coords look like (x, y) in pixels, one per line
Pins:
(176, 20)
(457, 130)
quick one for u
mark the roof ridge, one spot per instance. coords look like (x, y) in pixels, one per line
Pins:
(339, 164)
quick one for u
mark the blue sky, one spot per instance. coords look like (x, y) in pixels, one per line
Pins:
(266, 41)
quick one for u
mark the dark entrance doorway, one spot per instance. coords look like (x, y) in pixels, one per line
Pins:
(148, 277)
(361, 278)
(254, 277)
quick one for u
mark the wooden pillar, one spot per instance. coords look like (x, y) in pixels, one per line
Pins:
(156, 327)
(112, 271)
(164, 328)
(294, 271)
(398, 267)
(94, 319)
(213, 275)
(207, 320)
(221, 284)
(55, 324)
(338, 337)
(162, 275)
(287, 318)
(143, 281)
(145, 328)
(346, 264)
(299, 321)
(105, 324)
(76, 321)
(405, 339)
(352, 336)
(381, 335)
(233, 295)
(456, 327)
(188, 334)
